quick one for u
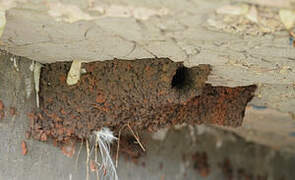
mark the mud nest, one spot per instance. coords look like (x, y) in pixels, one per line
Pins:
(145, 93)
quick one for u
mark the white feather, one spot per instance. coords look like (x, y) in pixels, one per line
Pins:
(104, 138)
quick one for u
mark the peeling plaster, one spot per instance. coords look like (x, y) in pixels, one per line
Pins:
(72, 13)
(141, 13)
(67, 13)
(273, 3)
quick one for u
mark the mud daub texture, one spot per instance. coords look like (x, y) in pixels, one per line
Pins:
(146, 93)
(2, 113)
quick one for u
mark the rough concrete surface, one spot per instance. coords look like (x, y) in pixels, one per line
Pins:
(244, 41)
(173, 154)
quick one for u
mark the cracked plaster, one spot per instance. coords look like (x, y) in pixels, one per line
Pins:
(92, 31)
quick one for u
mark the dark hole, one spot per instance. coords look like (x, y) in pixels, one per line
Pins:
(181, 78)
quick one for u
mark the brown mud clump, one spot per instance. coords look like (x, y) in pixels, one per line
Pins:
(201, 163)
(144, 93)
(2, 113)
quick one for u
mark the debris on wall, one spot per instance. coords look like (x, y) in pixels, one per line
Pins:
(24, 148)
(246, 19)
(74, 74)
(2, 112)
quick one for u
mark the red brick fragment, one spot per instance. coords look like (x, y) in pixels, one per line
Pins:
(24, 148)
